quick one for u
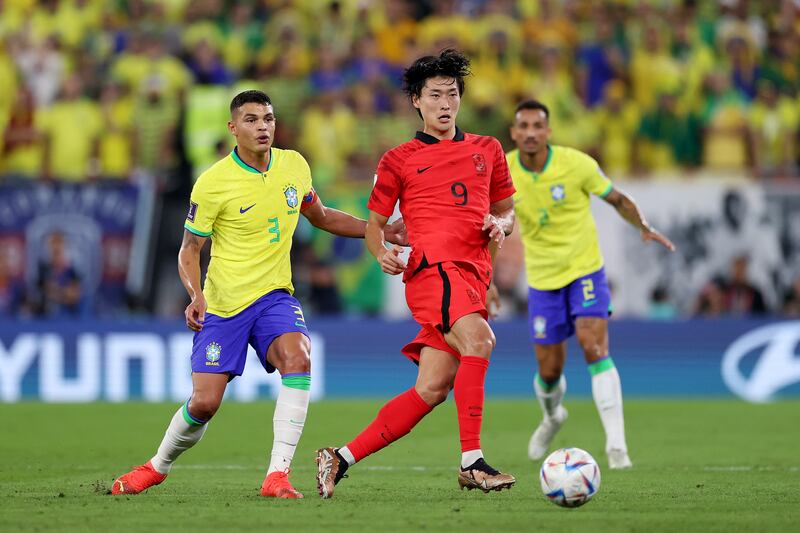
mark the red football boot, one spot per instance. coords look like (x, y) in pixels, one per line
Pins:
(140, 478)
(277, 485)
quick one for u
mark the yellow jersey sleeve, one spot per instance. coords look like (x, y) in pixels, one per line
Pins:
(204, 206)
(594, 179)
(304, 175)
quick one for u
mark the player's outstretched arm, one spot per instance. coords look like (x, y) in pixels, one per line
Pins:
(346, 225)
(388, 259)
(189, 271)
(628, 210)
(334, 221)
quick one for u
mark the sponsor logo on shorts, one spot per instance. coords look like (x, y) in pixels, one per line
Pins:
(540, 327)
(292, 199)
(213, 353)
(300, 320)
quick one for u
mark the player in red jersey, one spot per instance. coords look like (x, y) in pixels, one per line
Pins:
(455, 194)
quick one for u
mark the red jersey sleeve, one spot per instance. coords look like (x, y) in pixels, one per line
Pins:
(501, 186)
(386, 190)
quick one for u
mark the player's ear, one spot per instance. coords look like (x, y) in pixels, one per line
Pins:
(232, 127)
(415, 100)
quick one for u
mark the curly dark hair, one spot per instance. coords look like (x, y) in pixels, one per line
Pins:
(450, 63)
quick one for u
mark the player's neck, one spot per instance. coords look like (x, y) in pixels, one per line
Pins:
(535, 162)
(446, 135)
(259, 161)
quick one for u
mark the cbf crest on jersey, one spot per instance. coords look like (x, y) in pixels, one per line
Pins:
(292, 199)
(480, 164)
(213, 353)
(558, 192)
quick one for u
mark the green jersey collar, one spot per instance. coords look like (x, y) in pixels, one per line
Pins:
(235, 156)
(544, 168)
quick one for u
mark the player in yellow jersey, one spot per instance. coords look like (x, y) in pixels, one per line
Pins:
(568, 291)
(248, 204)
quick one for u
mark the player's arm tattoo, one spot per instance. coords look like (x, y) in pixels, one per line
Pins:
(189, 262)
(193, 241)
(627, 209)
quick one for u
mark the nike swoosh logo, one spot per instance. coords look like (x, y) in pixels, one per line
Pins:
(421, 170)
(243, 210)
(589, 303)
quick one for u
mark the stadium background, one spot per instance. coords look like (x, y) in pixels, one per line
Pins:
(109, 110)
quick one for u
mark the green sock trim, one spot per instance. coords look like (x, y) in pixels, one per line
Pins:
(188, 418)
(297, 382)
(546, 387)
(602, 365)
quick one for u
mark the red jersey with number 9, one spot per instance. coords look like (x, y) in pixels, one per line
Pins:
(445, 189)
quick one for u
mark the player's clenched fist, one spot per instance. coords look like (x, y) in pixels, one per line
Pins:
(196, 313)
(390, 261)
(496, 232)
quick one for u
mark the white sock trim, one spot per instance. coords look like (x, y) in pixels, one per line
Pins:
(287, 426)
(467, 458)
(607, 393)
(179, 437)
(345, 452)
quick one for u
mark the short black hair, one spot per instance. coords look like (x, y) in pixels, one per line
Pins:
(449, 63)
(249, 97)
(533, 104)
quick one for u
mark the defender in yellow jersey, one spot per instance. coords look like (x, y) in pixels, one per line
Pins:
(250, 217)
(568, 291)
(248, 205)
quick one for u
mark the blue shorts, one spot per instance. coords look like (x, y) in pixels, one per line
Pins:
(552, 314)
(221, 346)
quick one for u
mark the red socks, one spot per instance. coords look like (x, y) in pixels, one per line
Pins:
(395, 420)
(468, 392)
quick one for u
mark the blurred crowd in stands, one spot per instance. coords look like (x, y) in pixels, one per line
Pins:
(138, 89)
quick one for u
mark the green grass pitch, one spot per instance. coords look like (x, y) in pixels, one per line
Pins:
(715, 465)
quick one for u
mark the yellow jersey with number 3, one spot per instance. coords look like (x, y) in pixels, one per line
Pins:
(250, 216)
(556, 225)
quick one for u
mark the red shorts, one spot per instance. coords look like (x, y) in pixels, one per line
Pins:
(437, 296)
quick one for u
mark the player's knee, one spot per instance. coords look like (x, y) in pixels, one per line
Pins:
(292, 357)
(204, 406)
(592, 348)
(433, 393)
(480, 345)
(550, 374)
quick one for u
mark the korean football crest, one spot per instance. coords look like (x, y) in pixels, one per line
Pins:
(292, 200)
(480, 164)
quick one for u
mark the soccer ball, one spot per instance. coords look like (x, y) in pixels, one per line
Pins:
(569, 477)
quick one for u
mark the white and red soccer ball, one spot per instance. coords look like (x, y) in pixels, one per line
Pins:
(569, 477)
